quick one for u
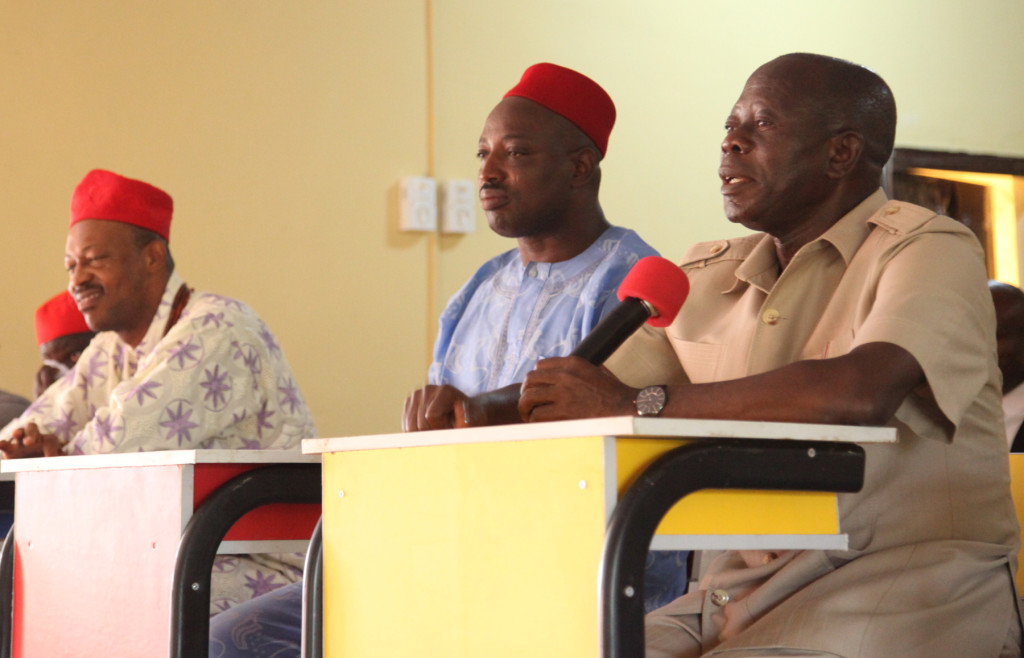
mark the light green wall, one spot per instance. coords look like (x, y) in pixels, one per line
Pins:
(282, 129)
(674, 70)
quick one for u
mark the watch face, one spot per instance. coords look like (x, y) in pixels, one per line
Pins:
(650, 401)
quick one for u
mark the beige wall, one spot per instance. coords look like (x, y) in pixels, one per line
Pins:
(281, 129)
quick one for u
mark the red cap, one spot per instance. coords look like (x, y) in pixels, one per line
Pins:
(106, 195)
(572, 95)
(59, 316)
(659, 282)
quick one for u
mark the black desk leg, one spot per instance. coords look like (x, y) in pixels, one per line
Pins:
(313, 596)
(7, 595)
(190, 593)
(703, 464)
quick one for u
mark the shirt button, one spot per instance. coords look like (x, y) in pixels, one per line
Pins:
(892, 210)
(717, 248)
(771, 316)
(719, 597)
(532, 272)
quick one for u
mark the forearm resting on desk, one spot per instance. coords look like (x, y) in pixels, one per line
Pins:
(864, 387)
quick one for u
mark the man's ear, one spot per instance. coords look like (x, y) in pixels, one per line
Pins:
(585, 162)
(845, 152)
(155, 254)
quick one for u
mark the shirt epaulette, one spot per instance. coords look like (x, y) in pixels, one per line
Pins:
(899, 217)
(704, 253)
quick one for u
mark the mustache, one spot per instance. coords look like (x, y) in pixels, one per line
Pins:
(85, 287)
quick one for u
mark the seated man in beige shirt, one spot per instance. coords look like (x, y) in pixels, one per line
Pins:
(845, 308)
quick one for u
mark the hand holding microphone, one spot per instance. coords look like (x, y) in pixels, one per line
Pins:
(563, 388)
(652, 292)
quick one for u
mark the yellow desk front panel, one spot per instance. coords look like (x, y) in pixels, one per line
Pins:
(493, 549)
(463, 550)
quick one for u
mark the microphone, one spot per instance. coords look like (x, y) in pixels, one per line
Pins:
(653, 292)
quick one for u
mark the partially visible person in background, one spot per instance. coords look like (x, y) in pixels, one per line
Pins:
(62, 335)
(11, 406)
(1009, 303)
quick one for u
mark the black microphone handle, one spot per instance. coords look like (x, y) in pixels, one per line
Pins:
(613, 330)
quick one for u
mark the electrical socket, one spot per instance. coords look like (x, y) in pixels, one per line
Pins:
(417, 204)
(458, 206)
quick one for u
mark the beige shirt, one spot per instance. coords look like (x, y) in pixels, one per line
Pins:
(933, 534)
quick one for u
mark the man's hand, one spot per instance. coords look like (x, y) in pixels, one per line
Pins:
(569, 387)
(28, 441)
(434, 408)
(446, 407)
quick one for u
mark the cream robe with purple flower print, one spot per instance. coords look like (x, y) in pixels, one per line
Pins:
(218, 379)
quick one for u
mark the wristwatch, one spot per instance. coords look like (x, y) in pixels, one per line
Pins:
(650, 401)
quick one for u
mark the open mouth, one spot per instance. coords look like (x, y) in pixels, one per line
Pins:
(85, 300)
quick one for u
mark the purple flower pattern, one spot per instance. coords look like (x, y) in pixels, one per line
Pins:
(226, 302)
(94, 374)
(263, 419)
(144, 390)
(250, 444)
(249, 356)
(64, 425)
(40, 405)
(218, 388)
(214, 319)
(118, 358)
(186, 354)
(290, 396)
(262, 584)
(107, 430)
(269, 340)
(177, 419)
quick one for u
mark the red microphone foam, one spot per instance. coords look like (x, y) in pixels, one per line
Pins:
(659, 282)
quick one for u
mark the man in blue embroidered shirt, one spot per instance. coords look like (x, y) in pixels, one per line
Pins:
(540, 154)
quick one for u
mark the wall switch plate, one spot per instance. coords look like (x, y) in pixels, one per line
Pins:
(417, 198)
(458, 206)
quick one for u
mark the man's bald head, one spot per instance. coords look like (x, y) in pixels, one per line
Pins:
(848, 96)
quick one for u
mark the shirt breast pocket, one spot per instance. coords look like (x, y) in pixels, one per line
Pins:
(699, 360)
(837, 344)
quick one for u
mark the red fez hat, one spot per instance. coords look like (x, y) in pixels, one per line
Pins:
(59, 316)
(572, 95)
(106, 195)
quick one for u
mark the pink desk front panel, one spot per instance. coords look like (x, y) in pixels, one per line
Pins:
(95, 551)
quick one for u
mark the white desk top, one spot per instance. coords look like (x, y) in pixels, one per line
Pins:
(158, 458)
(619, 426)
